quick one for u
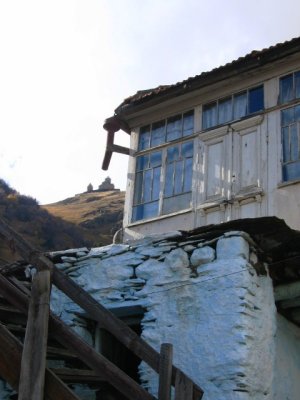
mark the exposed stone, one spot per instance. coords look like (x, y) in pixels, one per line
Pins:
(232, 247)
(202, 255)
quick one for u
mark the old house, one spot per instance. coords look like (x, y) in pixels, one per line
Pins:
(220, 146)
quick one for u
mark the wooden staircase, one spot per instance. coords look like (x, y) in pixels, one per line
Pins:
(30, 334)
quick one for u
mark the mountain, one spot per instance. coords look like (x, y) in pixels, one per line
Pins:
(98, 213)
(88, 219)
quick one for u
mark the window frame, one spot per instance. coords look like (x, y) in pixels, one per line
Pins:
(216, 103)
(178, 142)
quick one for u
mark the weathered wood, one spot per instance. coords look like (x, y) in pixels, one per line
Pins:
(10, 364)
(122, 332)
(165, 371)
(68, 338)
(183, 387)
(32, 376)
(72, 375)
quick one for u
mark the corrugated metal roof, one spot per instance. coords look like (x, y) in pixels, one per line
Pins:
(260, 57)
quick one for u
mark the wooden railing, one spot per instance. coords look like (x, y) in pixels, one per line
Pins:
(24, 366)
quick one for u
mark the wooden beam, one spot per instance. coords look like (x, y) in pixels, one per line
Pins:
(183, 387)
(32, 377)
(10, 364)
(72, 375)
(68, 338)
(122, 332)
(165, 371)
(288, 291)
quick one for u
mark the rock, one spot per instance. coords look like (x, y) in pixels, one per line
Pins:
(177, 260)
(232, 247)
(202, 255)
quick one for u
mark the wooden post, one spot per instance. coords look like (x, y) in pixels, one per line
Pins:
(165, 371)
(68, 338)
(183, 387)
(32, 376)
(10, 364)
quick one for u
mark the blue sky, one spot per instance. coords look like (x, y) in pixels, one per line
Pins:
(67, 64)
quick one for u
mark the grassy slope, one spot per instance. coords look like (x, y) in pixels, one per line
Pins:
(99, 214)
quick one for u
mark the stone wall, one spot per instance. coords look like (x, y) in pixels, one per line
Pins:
(203, 296)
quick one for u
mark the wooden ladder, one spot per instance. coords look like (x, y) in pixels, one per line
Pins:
(23, 366)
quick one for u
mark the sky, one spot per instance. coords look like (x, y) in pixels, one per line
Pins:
(65, 65)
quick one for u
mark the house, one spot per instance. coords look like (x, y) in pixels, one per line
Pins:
(219, 146)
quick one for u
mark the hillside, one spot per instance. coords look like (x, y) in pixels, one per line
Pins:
(89, 219)
(98, 214)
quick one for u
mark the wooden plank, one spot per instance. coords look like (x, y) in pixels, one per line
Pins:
(10, 364)
(165, 371)
(183, 387)
(68, 338)
(32, 376)
(123, 333)
(72, 375)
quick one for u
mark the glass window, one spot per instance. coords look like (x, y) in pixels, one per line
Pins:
(289, 87)
(158, 133)
(209, 115)
(256, 100)
(144, 138)
(188, 123)
(240, 105)
(290, 129)
(232, 108)
(225, 111)
(174, 128)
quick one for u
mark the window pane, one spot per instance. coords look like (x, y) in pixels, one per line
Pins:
(158, 133)
(239, 105)
(155, 159)
(287, 116)
(142, 162)
(138, 188)
(286, 88)
(180, 202)
(147, 185)
(294, 143)
(172, 153)
(156, 183)
(291, 171)
(285, 144)
(225, 110)
(297, 85)
(209, 118)
(144, 211)
(144, 138)
(174, 126)
(256, 100)
(187, 149)
(169, 179)
(188, 173)
(178, 177)
(188, 123)
(297, 113)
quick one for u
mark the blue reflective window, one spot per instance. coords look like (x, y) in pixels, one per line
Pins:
(286, 88)
(158, 133)
(233, 107)
(174, 128)
(256, 100)
(188, 123)
(240, 105)
(187, 149)
(155, 159)
(297, 85)
(225, 111)
(144, 138)
(172, 153)
(290, 127)
(178, 181)
(142, 162)
(209, 115)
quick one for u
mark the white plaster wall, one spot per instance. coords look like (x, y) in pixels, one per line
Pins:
(286, 385)
(205, 298)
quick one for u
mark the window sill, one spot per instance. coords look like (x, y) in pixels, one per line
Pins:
(288, 183)
(158, 218)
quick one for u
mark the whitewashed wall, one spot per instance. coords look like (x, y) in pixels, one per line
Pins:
(205, 298)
